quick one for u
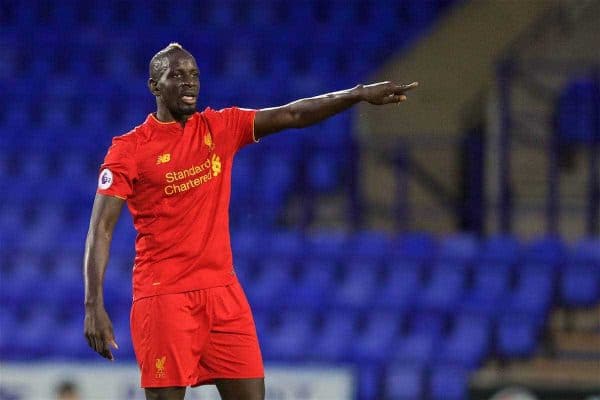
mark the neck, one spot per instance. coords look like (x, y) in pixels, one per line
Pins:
(164, 115)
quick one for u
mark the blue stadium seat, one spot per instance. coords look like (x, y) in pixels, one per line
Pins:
(491, 283)
(66, 289)
(576, 110)
(370, 382)
(283, 244)
(448, 382)
(289, 339)
(372, 342)
(516, 336)
(371, 245)
(580, 285)
(358, 285)
(468, 341)
(400, 286)
(122, 333)
(418, 247)
(73, 344)
(586, 250)
(335, 339)
(418, 347)
(246, 243)
(461, 248)
(270, 286)
(428, 323)
(444, 290)
(24, 278)
(33, 340)
(533, 294)
(501, 249)
(547, 249)
(244, 269)
(9, 329)
(327, 245)
(405, 382)
(118, 285)
(323, 170)
(314, 286)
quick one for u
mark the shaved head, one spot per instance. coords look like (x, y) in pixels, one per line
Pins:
(160, 62)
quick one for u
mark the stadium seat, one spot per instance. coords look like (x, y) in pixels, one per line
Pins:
(500, 249)
(358, 285)
(428, 323)
(271, 284)
(444, 290)
(400, 286)
(516, 336)
(290, 337)
(327, 245)
(491, 283)
(372, 342)
(371, 245)
(460, 248)
(418, 347)
(419, 247)
(8, 331)
(370, 382)
(246, 243)
(404, 382)
(533, 294)
(448, 382)
(468, 342)
(580, 285)
(314, 286)
(576, 108)
(547, 249)
(323, 172)
(282, 244)
(334, 340)
(33, 340)
(586, 250)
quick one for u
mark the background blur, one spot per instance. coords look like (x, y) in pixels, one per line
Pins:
(445, 248)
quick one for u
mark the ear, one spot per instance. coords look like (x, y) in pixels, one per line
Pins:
(153, 86)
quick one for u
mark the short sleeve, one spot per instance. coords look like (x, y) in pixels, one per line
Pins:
(119, 171)
(238, 126)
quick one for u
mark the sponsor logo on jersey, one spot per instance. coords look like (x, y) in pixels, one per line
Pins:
(190, 178)
(106, 179)
(163, 158)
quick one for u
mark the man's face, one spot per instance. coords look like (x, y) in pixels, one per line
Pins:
(179, 84)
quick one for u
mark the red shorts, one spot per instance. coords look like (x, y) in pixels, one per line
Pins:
(193, 338)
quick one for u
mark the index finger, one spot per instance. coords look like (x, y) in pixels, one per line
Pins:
(403, 88)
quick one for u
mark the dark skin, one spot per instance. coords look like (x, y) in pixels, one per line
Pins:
(176, 91)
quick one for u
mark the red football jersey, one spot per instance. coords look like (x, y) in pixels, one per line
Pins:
(177, 183)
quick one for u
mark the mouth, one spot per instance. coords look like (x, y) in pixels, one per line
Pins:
(189, 99)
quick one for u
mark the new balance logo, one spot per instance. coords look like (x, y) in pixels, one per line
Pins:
(163, 158)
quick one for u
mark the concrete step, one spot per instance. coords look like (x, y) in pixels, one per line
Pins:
(541, 372)
(576, 344)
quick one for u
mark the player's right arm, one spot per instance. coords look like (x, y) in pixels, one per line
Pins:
(98, 328)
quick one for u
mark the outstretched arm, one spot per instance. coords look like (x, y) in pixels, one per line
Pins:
(98, 328)
(305, 112)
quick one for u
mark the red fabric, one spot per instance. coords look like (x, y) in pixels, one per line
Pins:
(177, 183)
(193, 338)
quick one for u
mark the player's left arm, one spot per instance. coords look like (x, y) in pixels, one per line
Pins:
(305, 112)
